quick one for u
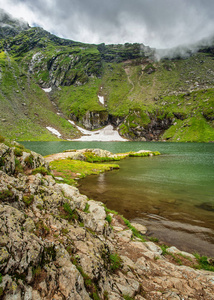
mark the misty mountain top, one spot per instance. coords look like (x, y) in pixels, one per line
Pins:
(157, 23)
(10, 26)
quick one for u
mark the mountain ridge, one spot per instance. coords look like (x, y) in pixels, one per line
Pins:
(144, 98)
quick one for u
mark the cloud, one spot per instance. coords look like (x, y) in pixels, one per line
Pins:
(157, 23)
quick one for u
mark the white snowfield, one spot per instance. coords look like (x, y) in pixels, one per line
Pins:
(47, 90)
(106, 134)
(101, 99)
(54, 131)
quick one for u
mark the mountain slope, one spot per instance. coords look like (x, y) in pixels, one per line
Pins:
(146, 99)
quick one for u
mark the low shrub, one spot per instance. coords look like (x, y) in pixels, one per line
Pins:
(28, 200)
(41, 170)
(2, 139)
(18, 152)
(70, 214)
(29, 161)
(203, 263)
(18, 166)
(6, 195)
(109, 219)
(86, 209)
(115, 262)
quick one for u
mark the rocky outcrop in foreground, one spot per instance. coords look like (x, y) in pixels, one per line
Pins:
(57, 244)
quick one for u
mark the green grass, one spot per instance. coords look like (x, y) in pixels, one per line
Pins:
(28, 200)
(115, 262)
(135, 232)
(164, 249)
(26, 110)
(68, 166)
(143, 154)
(6, 195)
(68, 210)
(92, 158)
(89, 283)
(41, 170)
(203, 263)
(195, 129)
(79, 99)
(86, 209)
(116, 87)
(109, 219)
(126, 297)
(175, 89)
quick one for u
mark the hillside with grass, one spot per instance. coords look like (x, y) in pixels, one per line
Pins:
(144, 98)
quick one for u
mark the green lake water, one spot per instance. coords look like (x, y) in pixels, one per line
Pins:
(172, 194)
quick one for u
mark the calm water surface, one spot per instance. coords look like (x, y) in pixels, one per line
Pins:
(172, 194)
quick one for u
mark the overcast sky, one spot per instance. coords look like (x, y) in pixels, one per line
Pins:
(157, 23)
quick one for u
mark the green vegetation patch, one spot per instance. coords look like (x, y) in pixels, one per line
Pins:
(92, 157)
(28, 199)
(70, 214)
(80, 99)
(70, 169)
(2, 139)
(89, 283)
(195, 129)
(115, 262)
(6, 195)
(41, 170)
(203, 263)
(144, 154)
(135, 232)
(109, 219)
(116, 87)
(29, 160)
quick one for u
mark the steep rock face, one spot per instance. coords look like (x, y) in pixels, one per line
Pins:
(136, 126)
(149, 132)
(65, 69)
(119, 53)
(55, 244)
(92, 119)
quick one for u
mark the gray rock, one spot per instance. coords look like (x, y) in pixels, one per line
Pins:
(141, 228)
(96, 219)
(7, 157)
(152, 247)
(174, 250)
(71, 192)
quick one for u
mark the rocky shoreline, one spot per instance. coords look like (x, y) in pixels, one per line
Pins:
(57, 244)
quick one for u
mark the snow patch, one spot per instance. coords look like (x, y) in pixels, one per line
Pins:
(47, 90)
(35, 56)
(72, 122)
(54, 131)
(101, 99)
(106, 134)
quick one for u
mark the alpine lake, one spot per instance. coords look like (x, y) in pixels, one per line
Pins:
(171, 194)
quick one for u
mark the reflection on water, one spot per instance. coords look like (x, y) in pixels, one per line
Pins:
(171, 195)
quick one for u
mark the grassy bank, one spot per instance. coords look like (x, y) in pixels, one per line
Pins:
(70, 169)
